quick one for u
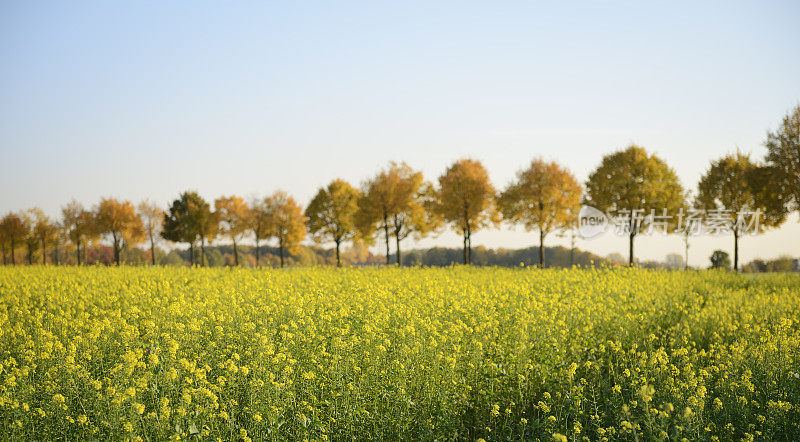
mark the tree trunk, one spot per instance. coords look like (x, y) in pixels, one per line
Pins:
(203, 251)
(465, 247)
(258, 254)
(3, 246)
(630, 249)
(397, 244)
(541, 248)
(735, 250)
(280, 246)
(78, 252)
(191, 254)
(386, 235)
(116, 252)
(152, 249)
(56, 255)
(469, 245)
(338, 261)
(44, 252)
(30, 254)
(235, 253)
(13, 259)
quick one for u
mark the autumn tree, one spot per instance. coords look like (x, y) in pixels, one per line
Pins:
(634, 182)
(79, 226)
(118, 220)
(732, 186)
(258, 224)
(31, 241)
(44, 231)
(375, 208)
(783, 159)
(13, 232)
(544, 197)
(331, 214)
(466, 200)
(232, 213)
(285, 222)
(395, 201)
(208, 227)
(152, 217)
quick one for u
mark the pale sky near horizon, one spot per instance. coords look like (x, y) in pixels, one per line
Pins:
(147, 99)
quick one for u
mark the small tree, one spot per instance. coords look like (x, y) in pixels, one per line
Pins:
(118, 220)
(720, 260)
(544, 197)
(182, 221)
(79, 225)
(152, 217)
(13, 232)
(633, 181)
(286, 222)
(45, 231)
(732, 185)
(395, 201)
(466, 200)
(331, 214)
(232, 212)
(258, 223)
(31, 241)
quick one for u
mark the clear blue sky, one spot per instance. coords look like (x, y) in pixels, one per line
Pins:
(147, 99)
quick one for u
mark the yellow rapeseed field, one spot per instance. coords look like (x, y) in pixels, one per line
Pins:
(397, 354)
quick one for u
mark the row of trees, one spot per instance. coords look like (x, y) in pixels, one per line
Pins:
(398, 203)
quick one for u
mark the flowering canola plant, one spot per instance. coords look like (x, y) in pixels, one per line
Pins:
(385, 353)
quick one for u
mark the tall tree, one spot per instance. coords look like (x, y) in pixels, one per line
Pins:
(412, 199)
(13, 231)
(182, 221)
(31, 241)
(466, 200)
(331, 214)
(232, 213)
(118, 220)
(258, 223)
(783, 157)
(544, 197)
(79, 225)
(45, 231)
(733, 184)
(633, 182)
(152, 217)
(375, 208)
(394, 201)
(286, 222)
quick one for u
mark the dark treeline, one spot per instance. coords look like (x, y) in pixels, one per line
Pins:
(398, 203)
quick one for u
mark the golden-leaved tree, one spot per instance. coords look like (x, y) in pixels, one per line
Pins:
(12, 233)
(79, 225)
(544, 197)
(635, 182)
(45, 231)
(331, 214)
(395, 201)
(466, 200)
(285, 222)
(152, 217)
(733, 185)
(119, 221)
(232, 212)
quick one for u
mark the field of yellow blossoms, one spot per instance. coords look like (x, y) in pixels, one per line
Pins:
(399, 354)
